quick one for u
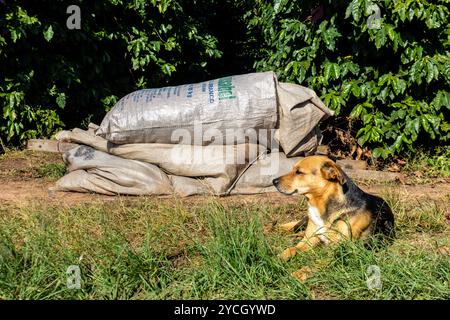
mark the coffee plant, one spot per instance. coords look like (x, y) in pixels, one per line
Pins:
(383, 66)
(51, 76)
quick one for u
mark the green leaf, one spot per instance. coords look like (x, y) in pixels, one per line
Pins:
(433, 120)
(442, 99)
(357, 111)
(446, 69)
(380, 38)
(399, 85)
(430, 71)
(14, 35)
(425, 124)
(380, 152)
(363, 139)
(356, 90)
(332, 71)
(61, 100)
(398, 114)
(391, 32)
(48, 34)
(398, 142)
(345, 89)
(354, 9)
(353, 68)
(416, 124)
(416, 71)
(383, 79)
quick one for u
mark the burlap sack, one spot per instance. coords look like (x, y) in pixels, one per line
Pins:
(91, 170)
(258, 177)
(230, 110)
(234, 103)
(219, 165)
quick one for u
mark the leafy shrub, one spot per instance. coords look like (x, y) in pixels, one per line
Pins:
(53, 76)
(388, 77)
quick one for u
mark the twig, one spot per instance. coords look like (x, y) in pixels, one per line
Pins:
(2, 145)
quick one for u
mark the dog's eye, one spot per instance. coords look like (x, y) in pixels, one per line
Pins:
(298, 172)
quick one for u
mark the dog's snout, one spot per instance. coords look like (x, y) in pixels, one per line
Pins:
(276, 181)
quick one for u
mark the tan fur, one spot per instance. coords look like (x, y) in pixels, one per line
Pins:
(290, 226)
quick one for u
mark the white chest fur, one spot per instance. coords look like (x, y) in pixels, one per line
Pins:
(314, 215)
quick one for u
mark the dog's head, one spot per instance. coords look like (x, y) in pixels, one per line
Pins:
(310, 175)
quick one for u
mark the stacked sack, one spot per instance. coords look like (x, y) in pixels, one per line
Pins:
(229, 135)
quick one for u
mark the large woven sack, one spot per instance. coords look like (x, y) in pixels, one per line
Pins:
(258, 177)
(230, 110)
(230, 103)
(91, 170)
(217, 165)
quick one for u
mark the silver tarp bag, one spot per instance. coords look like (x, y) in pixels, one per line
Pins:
(251, 108)
(203, 112)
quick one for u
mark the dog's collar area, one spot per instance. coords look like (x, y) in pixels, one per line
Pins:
(345, 187)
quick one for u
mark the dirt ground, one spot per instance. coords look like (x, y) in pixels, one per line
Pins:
(22, 182)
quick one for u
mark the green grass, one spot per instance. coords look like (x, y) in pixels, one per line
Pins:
(51, 171)
(28, 164)
(147, 248)
(427, 164)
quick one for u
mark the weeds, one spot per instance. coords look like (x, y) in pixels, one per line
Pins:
(52, 171)
(430, 164)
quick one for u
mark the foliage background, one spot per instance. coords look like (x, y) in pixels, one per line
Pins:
(389, 86)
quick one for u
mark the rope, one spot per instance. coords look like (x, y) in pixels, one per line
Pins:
(227, 193)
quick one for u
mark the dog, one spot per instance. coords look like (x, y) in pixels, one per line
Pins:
(337, 209)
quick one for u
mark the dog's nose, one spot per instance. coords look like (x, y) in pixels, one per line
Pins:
(275, 181)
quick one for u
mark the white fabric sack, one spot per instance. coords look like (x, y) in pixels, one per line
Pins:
(258, 177)
(229, 110)
(91, 170)
(153, 115)
(218, 165)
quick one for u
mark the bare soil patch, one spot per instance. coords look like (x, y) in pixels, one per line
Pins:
(21, 183)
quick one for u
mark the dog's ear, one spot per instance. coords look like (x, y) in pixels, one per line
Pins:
(332, 172)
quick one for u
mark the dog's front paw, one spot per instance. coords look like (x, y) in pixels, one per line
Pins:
(299, 236)
(288, 227)
(302, 274)
(288, 253)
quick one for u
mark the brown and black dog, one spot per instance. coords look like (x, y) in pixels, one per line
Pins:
(337, 208)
